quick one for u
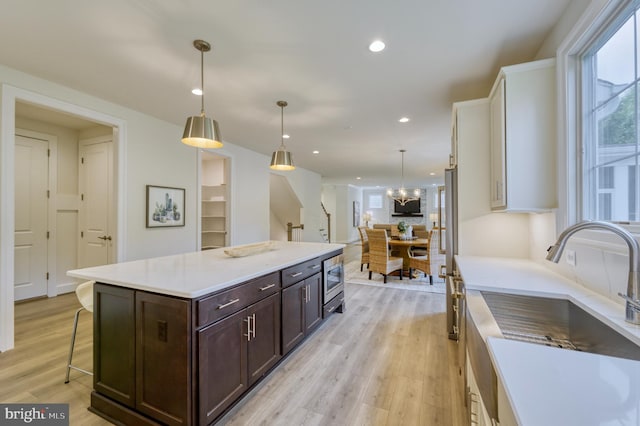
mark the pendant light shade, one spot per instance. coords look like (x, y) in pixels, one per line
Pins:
(200, 130)
(282, 159)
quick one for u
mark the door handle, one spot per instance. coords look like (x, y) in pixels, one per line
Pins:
(105, 238)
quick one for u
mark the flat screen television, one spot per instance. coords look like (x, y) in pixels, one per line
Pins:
(410, 207)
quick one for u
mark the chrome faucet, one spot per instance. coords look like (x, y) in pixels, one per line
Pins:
(633, 290)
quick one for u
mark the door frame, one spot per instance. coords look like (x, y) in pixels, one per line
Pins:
(52, 205)
(9, 96)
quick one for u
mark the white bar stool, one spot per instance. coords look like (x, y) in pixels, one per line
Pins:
(85, 296)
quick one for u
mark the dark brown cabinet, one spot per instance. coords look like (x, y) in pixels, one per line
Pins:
(301, 310)
(182, 361)
(222, 360)
(235, 352)
(141, 356)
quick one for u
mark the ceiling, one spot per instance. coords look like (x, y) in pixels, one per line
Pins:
(344, 101)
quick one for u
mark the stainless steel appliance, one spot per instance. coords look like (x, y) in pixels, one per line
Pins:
(333, 280)
(453, 290)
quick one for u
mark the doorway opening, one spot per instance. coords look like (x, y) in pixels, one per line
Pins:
(214, 200)
(16, 106)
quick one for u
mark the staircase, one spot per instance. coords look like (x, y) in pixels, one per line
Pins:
(326, 233)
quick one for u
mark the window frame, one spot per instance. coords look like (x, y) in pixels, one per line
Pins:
(598, 15)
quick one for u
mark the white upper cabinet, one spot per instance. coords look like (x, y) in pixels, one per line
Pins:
(523, 138)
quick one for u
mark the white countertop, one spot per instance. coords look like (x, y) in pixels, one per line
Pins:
(196, 274)
(552, 386)
(549, 386)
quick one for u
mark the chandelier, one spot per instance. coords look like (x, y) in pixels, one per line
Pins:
(401, 195)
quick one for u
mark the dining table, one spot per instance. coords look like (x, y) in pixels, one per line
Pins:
(404, 246)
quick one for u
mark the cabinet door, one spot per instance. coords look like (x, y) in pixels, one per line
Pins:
(313, 305)
(163, 366)
(293, 325)
(263, 349)
(222, 363)
(114, 343)
(498, 146)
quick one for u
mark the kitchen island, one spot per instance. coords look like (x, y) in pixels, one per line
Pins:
(179, 339)
(538, 384)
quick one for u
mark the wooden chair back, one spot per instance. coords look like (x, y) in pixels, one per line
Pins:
(379, 259)
(364, 243)
(420, 258)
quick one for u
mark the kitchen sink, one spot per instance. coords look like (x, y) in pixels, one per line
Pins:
(558, 323)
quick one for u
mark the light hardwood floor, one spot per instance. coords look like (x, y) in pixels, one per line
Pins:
(386, 361)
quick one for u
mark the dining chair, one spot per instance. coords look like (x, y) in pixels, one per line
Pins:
(84, 292)
(364, 242)
(380, 261)
(421, 251)
(419, 261)
(419, 228)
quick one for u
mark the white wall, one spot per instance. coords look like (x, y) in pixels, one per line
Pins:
(338, 200)
(378, 215)
(308, 187)
(566, 22)
(150, 152)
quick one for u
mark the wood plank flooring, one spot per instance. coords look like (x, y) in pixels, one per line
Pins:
(386, 361)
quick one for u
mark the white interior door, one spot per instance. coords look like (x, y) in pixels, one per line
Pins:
(96, 203)
(31, 210)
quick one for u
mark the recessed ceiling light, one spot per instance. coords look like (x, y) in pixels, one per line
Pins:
(358, 178)
(197, 91)
(432, 174)
(316, 152)
(404, 120)
(377, 46)
(285, 136)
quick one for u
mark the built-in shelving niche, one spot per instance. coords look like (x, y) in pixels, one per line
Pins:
(214, 198)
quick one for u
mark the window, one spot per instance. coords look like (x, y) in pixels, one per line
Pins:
(375, 201)
(610, 69)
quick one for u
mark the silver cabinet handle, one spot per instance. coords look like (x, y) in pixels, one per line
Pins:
(253, 326)
(228, 303)
(315, 266)
(267, 287)
(297, 274)
(248, 335)
(332, 308)
(305, 294)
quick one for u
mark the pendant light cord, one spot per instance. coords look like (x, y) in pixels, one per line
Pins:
(202, 81)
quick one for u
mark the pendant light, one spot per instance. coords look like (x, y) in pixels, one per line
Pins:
(401, 195)
(200, 130)
(281, 159)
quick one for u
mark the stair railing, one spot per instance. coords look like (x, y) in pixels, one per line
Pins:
(328, 216)
(294, 233)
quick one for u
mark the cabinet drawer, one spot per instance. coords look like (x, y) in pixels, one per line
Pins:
(330, 307)
(300, 271)
(220, 305)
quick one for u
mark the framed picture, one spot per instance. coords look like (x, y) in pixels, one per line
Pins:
(356, 214)
(165, 206)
